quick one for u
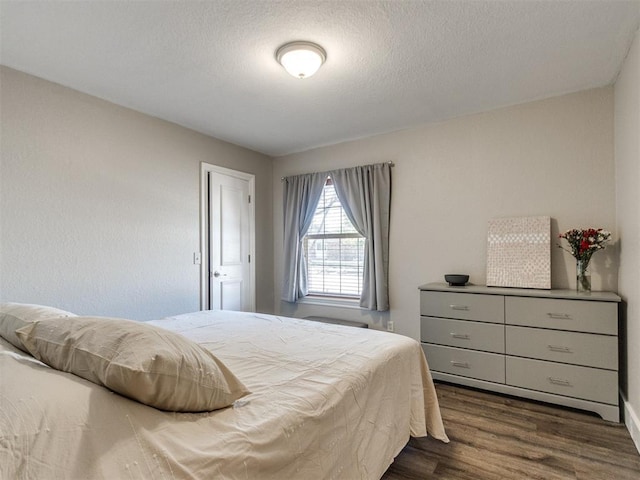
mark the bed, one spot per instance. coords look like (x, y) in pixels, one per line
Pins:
(325, 402)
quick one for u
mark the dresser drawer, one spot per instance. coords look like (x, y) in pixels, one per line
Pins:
(574, 315)
(568, 380)
(466, 363)
(464, 306)
(488, 337)
(586, 349)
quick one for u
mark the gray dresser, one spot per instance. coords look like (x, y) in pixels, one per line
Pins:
(554, 346)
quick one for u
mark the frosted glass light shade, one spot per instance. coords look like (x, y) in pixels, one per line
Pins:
(301, 59)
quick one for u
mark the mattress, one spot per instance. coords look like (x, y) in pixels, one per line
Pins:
(326, 402)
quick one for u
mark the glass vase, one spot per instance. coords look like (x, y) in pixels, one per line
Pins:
(583, 276)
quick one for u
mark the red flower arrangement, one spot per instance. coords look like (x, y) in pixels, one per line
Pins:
(584, 243)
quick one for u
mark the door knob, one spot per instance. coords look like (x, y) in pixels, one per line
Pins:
(216, 274)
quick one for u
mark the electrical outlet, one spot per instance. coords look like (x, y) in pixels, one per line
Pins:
(390, 326)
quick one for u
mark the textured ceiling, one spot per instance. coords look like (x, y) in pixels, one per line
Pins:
(390, 64)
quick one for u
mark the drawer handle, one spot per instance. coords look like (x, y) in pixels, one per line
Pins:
(460, 364)
(559, 381)
(459, 307)
(462, 336)
(560, 316)
(558, 348)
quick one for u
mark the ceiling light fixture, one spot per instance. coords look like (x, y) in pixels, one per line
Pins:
(301, 59)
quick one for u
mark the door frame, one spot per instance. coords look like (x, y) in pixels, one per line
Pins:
(205, 169)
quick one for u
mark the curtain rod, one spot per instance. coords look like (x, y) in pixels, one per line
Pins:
(388, 163)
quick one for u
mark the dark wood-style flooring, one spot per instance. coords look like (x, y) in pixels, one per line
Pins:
(500, 437)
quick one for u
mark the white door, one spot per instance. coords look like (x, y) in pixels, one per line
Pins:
(228, 255)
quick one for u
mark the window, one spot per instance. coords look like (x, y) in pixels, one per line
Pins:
(333, 249)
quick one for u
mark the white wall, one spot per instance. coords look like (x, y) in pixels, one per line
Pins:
(627, 158)
(551, 157)
(99, 205)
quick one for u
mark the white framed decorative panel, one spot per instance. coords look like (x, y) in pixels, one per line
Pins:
(519, 252)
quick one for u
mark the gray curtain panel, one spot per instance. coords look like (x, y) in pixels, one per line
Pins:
(301, 196)
(365, 194)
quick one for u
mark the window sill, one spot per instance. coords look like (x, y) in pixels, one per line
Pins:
(331, 302)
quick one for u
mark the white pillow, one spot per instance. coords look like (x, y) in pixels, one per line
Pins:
(17, 315)
(149, 364)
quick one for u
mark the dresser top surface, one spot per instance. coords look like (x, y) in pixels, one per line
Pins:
(523, 292)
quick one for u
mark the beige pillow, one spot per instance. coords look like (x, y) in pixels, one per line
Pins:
(149, 364)
(17, 315)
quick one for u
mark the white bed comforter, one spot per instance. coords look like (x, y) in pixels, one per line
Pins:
(327, 402)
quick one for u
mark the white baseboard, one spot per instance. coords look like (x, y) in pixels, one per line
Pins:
(632, 422)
